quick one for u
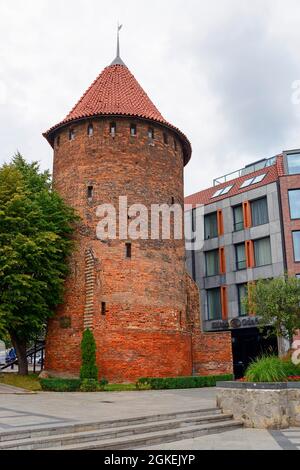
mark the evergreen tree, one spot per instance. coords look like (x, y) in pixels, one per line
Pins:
(88, 369)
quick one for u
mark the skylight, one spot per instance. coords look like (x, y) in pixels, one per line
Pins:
(222, 191)
(259, 178)
(254, 180)
(247, 183)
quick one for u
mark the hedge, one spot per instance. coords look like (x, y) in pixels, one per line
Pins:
(182, 382)
(60, 385)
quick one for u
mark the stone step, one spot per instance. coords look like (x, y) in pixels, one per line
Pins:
(113, 433)
(41, 431)
(154, 437)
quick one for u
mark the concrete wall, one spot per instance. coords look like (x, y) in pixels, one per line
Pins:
(228, 240)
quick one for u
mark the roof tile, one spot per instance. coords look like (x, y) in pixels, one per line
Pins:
(116, 92)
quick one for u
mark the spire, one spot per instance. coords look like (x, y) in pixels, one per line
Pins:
(118, 60)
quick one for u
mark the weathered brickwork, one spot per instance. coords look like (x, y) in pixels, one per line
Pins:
(144, 310)
(286, 183)
(211, 352)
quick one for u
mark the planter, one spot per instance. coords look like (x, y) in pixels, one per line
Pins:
(261, 405)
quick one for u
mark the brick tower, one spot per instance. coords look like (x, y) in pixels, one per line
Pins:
(134, 294)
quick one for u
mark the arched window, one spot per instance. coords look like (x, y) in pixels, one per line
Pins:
(90, 130)
(166, 139)
(113, 129)
(175, 145)
(71, 134)
(133, 130)
(58, 141)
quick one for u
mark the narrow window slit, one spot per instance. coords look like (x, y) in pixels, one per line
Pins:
(128, 250)
(90, 130)
(133, 131)
(90, 192)
(113, 129)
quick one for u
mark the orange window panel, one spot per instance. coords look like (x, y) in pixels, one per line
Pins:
(247, 214)
(222, 260)
(250, 254)
(220, 223)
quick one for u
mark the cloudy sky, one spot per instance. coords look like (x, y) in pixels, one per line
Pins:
(221, 70)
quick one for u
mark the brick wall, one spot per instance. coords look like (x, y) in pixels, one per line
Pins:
(144, 328)
(211, 352)
(286, 183)
(151, 325)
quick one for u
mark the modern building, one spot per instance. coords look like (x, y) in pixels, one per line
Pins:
(248, 228)
(135, 295)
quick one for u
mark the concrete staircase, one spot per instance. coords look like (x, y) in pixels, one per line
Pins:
(121, 434)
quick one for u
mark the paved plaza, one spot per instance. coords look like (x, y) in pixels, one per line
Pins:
(20, 410)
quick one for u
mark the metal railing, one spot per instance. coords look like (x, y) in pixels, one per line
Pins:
(38, 347)
(265, 163)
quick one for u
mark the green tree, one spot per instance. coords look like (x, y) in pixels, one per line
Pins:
(89, 368)
(36, 228)
(276, 302)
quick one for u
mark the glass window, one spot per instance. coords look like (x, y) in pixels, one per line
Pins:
(296, 240)
(214, 305)
(259, 178)
(262, 252)
(293, 161)
(71, 134)
(259, 211)
(113, 129)
(90, 130)
(151, 133)
(298, 276)
(242, 293)
(247, 183)
(132, 130)
(294, 198)
(222, 191)
(255, 180)
(240, 253)
(212, 263)
(238, 218)
(211, 226)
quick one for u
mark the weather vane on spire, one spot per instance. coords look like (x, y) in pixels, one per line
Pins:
(118, 60)
(120, 26)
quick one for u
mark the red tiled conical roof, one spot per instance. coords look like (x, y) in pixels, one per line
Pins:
(116, 92)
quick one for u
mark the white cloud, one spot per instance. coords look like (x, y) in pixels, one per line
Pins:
(221, 71)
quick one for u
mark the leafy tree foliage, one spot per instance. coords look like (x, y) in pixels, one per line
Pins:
(277, 304)
(36, 228)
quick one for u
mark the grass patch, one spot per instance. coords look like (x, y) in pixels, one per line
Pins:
(271, 369)
(120, 388)
(28, 382)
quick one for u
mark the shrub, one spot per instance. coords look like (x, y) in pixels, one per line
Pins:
(267, 369)
(103, 383)
(88, 370)
(89, 385)
(60, 385)
(146, 383)
(291, 369)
